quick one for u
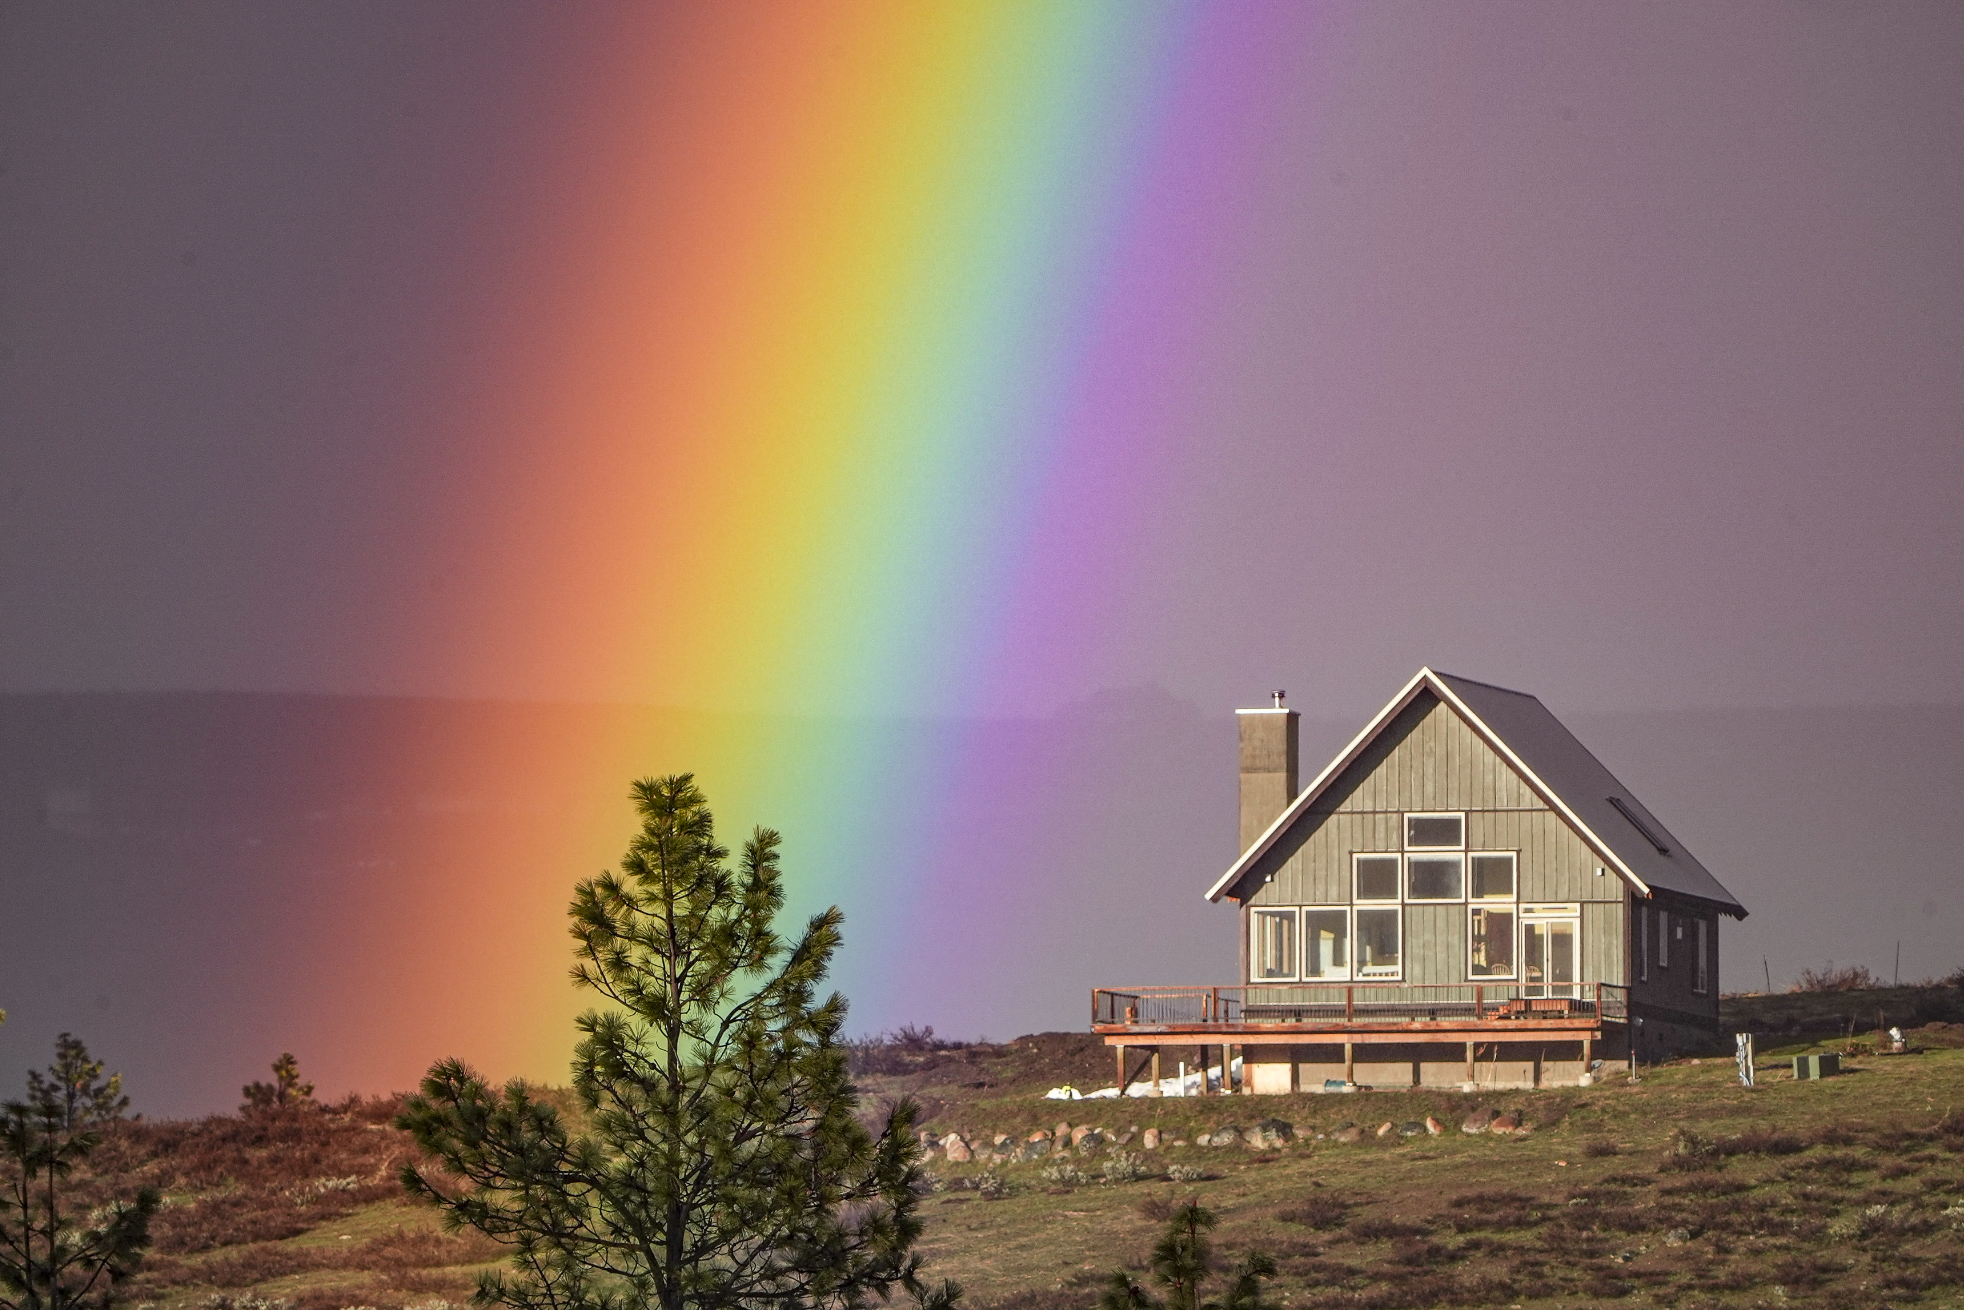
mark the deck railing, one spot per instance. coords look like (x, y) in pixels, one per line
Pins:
(1357, 1003)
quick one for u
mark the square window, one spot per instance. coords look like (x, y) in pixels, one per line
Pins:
(1326, 944)
(1275, 943)
(1491, 934)
(1493, 877)
(1435, 831)
(1434, 877)
(1377, 878)
(1377, 943)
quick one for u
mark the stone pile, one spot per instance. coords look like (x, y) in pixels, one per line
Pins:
(1087, 1140)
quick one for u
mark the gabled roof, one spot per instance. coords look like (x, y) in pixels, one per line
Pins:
(1550, 760)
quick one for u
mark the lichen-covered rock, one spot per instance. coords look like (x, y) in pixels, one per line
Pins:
(1411, 1128)
(957, 1149)
(1505, 1124)
(1226, 1135)
(1270, 1133)
(1478, 1122)
(1149, 1140)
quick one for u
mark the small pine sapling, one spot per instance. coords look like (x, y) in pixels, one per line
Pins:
(285, 1090)
(1181, 1263)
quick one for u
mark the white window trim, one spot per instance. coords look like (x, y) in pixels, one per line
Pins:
(1514, 896)
(1439, 853)
(1255, 939)
(1492, 903)
(1357, 973)
(1355, 856)
(1405, 829)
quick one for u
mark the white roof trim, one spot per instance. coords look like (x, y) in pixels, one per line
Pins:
(1429, 680)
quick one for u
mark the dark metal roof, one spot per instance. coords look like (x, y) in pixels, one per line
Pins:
(1573, 782)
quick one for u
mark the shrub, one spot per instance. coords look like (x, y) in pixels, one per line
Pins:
(1125, 1167)
(1186, 1173)
(1316, 1211)
(1064, 1174)
(1848, 978)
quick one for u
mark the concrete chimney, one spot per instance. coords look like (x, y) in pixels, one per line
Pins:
(1268, 767)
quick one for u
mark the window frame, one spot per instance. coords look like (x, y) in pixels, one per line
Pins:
(1357, 972)
(1348, 912)
(1255, 915)
(1398, 877)
(1511, 907)
(1405, 828)
(1513, 858)
(1439, 854)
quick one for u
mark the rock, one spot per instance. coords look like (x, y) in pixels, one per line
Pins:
(1079, 1133)
(1478, 1122)
(1149, 1140)
(1433, 1126)
(1411, 1128)
(1034, 1149)
(1001, 1140)
(1061, 1133)
(1227, 1135)
(1273, 1132)
(1505, 1124)
(1677, 1237)
(1090, 1142)
(1205, 1139)
(1125, 1138)
(1040, 1135)
(1348, 1132)
(1384, 1130)
(957, 1149)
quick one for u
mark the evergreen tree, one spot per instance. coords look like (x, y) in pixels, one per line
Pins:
(49, 1260)
(286, 1089)
(75, 1082)
(1181, 1262)
(720, 1161)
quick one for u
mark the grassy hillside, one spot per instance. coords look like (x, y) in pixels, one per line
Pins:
(1682, 1189)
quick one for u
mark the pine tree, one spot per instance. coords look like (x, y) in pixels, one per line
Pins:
(49, 1260)
(1181, 1262)
(75, 1082)
(285, 1090)
(721, 1162)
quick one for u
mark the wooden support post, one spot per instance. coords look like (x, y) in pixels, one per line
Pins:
(1469, 1062)
(1586, 1044)
(1349, 1063)
(1156, 1090)
(1121, 1069)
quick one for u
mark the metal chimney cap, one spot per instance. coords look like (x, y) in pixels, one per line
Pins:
(1278, 698)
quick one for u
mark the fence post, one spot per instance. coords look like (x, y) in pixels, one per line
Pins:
(1479, 1001)
(1349, 1003)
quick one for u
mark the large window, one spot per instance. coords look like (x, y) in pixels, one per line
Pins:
(1435, 877)
(1493, 877)
(1377, 942)
(1326, 944)
(1490, 939)
(1275, 944)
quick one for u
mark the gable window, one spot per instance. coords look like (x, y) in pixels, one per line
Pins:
(1434, 877)
(1375, 877)
(1326, 944)
(1703, 980)
(1377, 942)
(1435, 832)
(1275, 944)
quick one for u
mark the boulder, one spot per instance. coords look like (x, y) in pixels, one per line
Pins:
(957, 1149)
(1384, 1130)
(1348, 1133)
(1089, 1142)
(1411, 1128)
(1149, 1140)
(1505, 1124)
(1034, 1149)
(1001, 1140)
(1478, 1122)
(1271, 1133)
(1061, 1133)
(1225, 1135)
(1079, 1133)
(1125, 1138)
(1433, 1126)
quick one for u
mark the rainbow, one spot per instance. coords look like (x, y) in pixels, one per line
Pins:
(856, 353)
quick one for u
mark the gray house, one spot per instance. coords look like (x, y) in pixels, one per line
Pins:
(1463, 896)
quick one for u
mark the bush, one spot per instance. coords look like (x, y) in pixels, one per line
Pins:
(1848, 978)
(1186, 1173)
(1125, 1167)
(1065, 1174)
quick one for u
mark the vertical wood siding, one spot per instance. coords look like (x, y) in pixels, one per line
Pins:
(1428, 759)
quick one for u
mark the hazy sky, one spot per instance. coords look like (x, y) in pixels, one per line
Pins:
(1608, 351)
